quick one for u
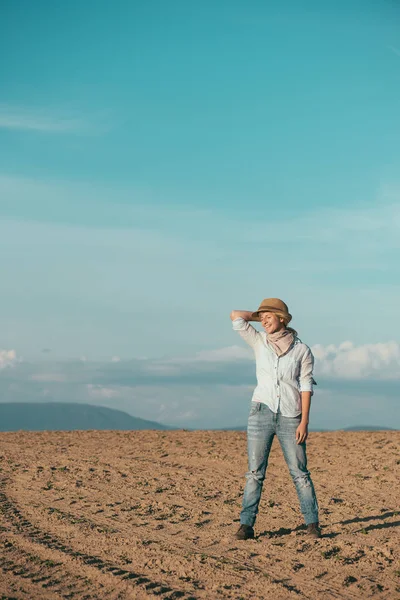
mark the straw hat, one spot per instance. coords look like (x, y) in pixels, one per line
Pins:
(272, 305)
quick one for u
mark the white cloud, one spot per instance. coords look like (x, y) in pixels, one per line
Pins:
(188, 415)
(46, 120)
(227, 354)
(49, 377)
(100, 391)
(159, 368)
(371, 228)
(348, 361)
(24, 119)
(380, 361)
(343, 361)
(8, 358)
(231, 353)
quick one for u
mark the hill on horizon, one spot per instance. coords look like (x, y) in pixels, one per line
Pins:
(368, 428)
(355, 428)
(72, 416)
(68, 416)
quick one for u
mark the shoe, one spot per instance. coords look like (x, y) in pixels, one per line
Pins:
(314, 530)
(245, 532)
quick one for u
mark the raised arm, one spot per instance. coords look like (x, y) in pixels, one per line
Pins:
(242, 314)
(240, 322)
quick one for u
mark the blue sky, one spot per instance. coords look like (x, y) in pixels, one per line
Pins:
(163, 163)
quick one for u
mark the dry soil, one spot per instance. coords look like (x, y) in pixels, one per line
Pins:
(152, 514)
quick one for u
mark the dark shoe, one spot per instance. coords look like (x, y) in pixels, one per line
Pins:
(245, 532)
(313, 530)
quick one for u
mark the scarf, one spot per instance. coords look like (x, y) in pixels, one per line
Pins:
(280, 341)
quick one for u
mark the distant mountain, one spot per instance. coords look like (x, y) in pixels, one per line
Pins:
(68, 416)
(357, 428)
(369, 428)
(63, 416)
(244, 428)
(237, 428)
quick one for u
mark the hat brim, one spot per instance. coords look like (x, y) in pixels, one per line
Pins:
(256, 315)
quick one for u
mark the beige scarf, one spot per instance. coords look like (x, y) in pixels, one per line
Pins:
(281, 341)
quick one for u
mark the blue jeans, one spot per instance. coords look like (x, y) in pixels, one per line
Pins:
(262, 426)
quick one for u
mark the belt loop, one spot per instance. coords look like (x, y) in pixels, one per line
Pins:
(259, 406)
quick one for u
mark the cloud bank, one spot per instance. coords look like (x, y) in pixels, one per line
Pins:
(348, 361)
(356, 385)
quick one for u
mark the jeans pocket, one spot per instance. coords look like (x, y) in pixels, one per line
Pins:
(254, 408)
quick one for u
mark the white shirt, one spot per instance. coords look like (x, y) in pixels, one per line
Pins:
(280, 379)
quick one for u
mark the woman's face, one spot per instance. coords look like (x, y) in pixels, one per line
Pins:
(271, 322)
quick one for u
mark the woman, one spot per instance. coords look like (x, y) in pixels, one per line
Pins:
(280, 405)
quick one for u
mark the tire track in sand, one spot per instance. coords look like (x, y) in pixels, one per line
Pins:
(24, 527)
(32, 573)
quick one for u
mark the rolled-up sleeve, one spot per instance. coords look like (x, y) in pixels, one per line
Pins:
(306, 379)
(246, 331)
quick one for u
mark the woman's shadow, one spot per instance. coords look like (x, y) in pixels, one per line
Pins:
(300, 528)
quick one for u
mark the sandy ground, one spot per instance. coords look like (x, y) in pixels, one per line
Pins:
(152, 515)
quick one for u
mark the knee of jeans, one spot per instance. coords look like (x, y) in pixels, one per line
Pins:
(302, 479)
(256, 475)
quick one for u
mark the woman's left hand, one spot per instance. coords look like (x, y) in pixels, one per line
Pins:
(301, 433)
